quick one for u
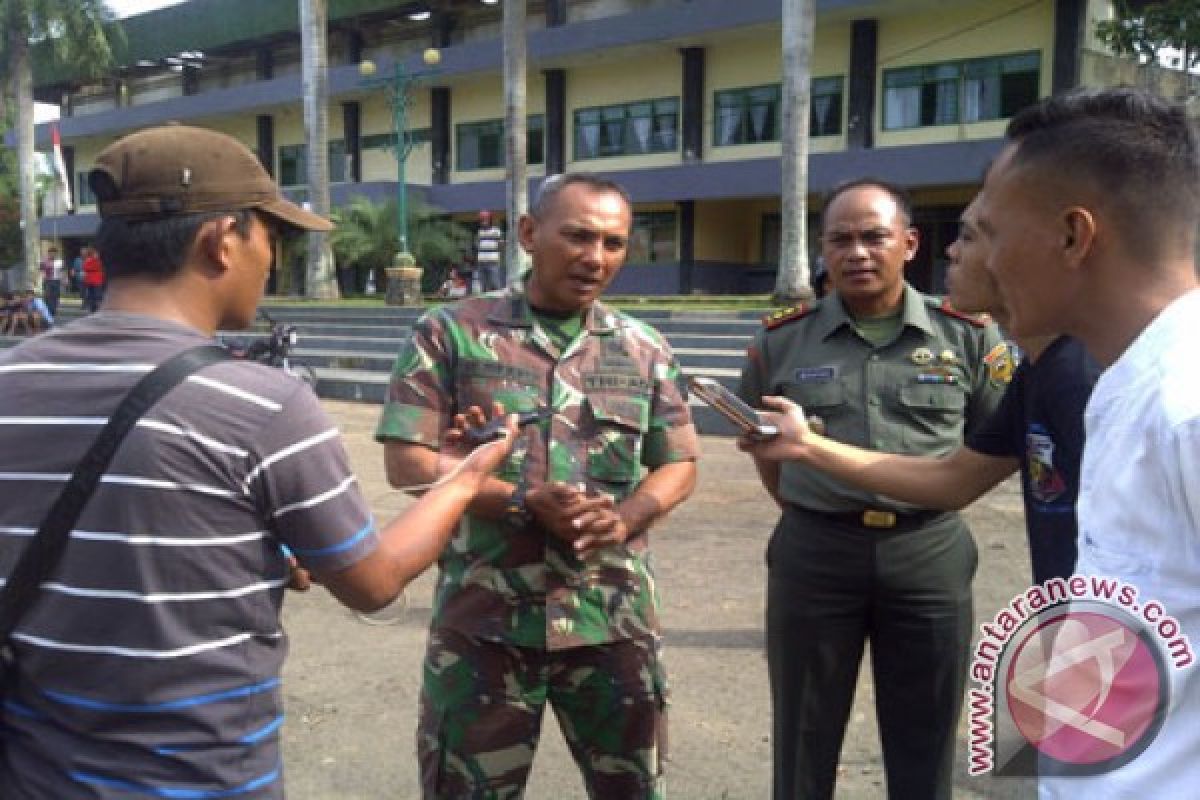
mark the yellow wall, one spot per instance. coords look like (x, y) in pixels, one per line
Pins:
(956, 32)
(376, 118)
(756, 60)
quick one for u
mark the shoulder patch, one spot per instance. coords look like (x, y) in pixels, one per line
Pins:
(978, 320)
(785, 315)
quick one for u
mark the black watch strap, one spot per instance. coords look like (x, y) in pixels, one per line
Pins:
(516, 513)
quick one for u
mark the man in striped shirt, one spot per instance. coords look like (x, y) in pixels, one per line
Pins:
(150, 663)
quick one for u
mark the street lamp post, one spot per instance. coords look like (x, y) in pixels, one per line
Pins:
(399, 87)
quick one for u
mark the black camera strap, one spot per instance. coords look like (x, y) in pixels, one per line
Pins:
(42, 555)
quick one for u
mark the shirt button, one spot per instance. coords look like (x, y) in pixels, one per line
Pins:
(872, 401)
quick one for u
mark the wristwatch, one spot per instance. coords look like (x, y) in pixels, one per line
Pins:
(516, 513)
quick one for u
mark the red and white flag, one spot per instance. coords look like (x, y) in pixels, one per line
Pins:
(60, 168)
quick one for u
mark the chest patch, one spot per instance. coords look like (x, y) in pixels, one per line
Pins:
(815, 374)
(497, 371)
(624, 381)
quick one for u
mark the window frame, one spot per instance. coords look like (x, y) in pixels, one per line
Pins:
(617, 121)
(535, 142)
(742, 99)
(1008, 70)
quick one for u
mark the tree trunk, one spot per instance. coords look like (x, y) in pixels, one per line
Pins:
(516, 190)
(21, 70)
(321, 280)
(799, 21)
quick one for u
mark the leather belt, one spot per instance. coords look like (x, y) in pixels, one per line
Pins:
(878, 519)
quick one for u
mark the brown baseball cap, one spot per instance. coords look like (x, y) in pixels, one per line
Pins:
(179, 169)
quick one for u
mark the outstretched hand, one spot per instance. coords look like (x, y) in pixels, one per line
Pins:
(458, 453)
(794, 432)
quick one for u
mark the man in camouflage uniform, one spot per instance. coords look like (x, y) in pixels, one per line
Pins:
(885, 368)
(547, 591)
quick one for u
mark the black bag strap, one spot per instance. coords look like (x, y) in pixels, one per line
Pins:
(42, 555)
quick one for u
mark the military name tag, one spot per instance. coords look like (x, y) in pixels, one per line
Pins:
(615, 380)
(815, 374)
(494, 369)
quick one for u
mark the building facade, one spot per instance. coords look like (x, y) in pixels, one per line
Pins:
(679, 100)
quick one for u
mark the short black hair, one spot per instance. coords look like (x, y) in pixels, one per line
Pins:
(1136, 149)
(155, 247)
(552, 186)
(898, 194)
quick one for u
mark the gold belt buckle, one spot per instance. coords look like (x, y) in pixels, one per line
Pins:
(879, 519)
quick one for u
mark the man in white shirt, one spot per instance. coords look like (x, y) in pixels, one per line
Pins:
(1089, 216)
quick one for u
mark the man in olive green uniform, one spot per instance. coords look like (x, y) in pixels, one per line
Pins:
(886, 368)
(547, 592)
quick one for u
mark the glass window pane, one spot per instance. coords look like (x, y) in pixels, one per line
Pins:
(292, 169)
(535, 140)
(587, 139)
(728, 131)
(666, 127)
(902, 108)
(1018, 91)
(338, 164)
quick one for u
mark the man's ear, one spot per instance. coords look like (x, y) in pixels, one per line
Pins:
(1078, 232)
(211, 245)
(912, 240)
(525, 227)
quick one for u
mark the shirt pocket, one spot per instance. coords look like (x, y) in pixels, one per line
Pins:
(931, 416)
(620, 420)
(826, 399)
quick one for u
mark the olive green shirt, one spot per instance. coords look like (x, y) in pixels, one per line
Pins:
(941, 376)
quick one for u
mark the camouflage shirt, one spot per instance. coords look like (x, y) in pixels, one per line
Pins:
(613, 408)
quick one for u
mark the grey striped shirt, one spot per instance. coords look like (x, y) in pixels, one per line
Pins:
(150, 664)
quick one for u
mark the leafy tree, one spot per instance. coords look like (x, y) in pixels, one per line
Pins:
(1145, 29)
(78, 33)
(365, 239)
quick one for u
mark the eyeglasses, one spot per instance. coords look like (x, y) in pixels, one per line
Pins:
(875, 239)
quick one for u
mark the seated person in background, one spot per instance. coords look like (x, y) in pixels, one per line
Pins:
(8, 306)
(454, 287)
(37, 312)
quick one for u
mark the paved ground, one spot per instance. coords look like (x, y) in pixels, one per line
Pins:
(352, 687)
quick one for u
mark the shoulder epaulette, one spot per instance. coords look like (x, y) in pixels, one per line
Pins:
(785, 315)
(978, 320)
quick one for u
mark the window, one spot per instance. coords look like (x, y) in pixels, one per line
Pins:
(755, 114)
(648, 126)
(85, 196)
(652, 239)
(293, 165)
(480, 145)
(960, 91)
(387, 141)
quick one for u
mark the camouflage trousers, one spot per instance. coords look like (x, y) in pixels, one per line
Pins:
(481, 715)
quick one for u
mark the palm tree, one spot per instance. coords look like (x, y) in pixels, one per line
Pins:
(320, 283)
(366, 238)
(75, 32)
(517, 193)
(799, 21)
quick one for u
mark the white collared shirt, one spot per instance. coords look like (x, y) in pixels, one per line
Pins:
(1139, 521)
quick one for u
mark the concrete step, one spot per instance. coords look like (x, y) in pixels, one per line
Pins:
(352, 349)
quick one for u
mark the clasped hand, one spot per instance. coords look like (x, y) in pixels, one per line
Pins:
(588, 521)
